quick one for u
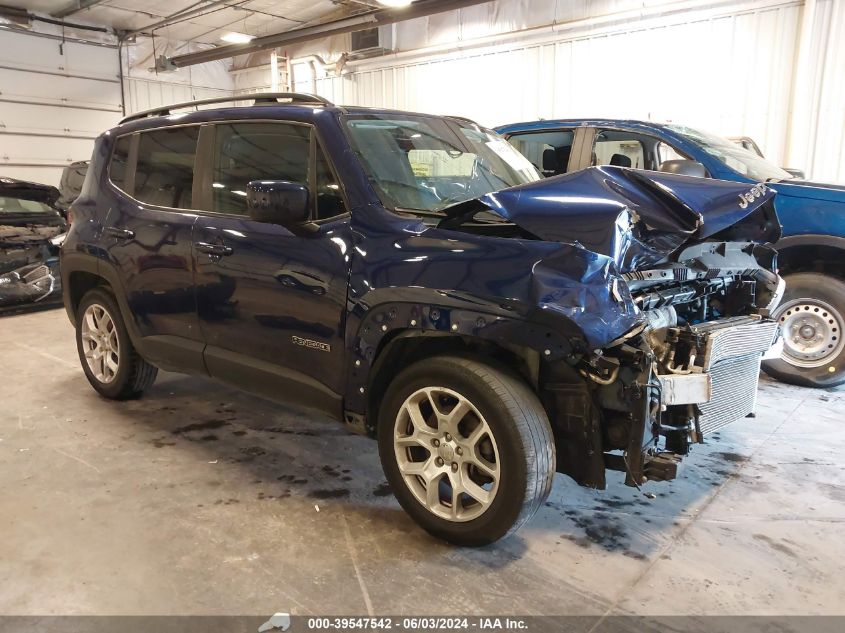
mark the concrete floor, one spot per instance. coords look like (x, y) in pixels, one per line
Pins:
(199, 499)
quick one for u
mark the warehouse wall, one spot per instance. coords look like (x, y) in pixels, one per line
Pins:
(55, 98)
(58, 94)
(147, 89)
(770, 69)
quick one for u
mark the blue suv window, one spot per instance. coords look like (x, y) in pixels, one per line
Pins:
(256, 151)
(164, 174)
(548, 151)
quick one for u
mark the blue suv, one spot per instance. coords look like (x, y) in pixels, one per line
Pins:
(416, 278)
(811, 251)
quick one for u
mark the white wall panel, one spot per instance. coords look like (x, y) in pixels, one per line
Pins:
(57, 96)
(728, 66)
(145, 89)
(718, 72)
(817, 130)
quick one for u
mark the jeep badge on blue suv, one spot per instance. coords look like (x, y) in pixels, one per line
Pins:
(415, 277)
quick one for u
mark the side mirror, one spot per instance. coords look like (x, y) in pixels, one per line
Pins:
(278, 202)
(684, 168)
(795, 173)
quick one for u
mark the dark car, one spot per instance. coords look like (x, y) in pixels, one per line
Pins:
(811, 251)
(416, 278)
(70, 185)
(31, 231)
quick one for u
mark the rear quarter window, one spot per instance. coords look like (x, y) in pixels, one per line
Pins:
(119, 164)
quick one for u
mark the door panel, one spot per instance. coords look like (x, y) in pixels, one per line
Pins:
(272, 310)
(271, 303)
(150, 246)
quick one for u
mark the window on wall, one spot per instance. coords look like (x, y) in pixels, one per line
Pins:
(256, 151)
(164, 175)
(548, 151)
(119, 161)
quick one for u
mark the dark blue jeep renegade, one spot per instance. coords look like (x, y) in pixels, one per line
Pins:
(417, 278)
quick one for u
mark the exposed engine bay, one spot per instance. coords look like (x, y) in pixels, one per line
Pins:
(669, 285)
(31, 232)
(694, 365)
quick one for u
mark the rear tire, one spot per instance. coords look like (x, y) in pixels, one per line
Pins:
(487, 447)
(110, 362)
(812, 317)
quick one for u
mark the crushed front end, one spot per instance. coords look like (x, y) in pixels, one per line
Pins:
(692, 367)
(31, 232)
(669, 284)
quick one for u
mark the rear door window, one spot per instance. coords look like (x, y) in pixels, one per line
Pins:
(549, 152)
(667, 152)
(621, 149)
(164, 175)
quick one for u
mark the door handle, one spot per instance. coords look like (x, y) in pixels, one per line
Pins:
(120, 234)
(217, 250)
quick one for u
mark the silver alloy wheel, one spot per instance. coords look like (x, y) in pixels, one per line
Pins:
(100, 344)
(812, 332)
(446, 454)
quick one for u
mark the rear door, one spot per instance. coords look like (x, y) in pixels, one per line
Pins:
(147, 234)
(272, 302)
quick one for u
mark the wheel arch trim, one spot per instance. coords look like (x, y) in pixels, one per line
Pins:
(388, 323)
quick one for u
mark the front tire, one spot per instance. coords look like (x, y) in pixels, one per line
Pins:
(110, 362)
(466, 447)
(812, 320)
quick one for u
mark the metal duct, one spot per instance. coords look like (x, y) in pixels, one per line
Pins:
(380, 17)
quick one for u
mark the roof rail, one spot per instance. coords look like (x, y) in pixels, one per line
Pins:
(463, 118)
(261, 98)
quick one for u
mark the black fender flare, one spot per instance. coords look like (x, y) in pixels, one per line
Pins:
(832, 245)
(97, 266)
(388, 321)
(810, 239)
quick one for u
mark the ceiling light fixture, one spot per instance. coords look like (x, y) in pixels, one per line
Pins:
(394, 4)
(234, 37)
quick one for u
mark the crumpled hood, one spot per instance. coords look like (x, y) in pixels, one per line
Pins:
(635, 217)
(25, 190)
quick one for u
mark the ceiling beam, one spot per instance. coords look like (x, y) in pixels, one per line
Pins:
(183, 14)
(371, 19)
(75, 7)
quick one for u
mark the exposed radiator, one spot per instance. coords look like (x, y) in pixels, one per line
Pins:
(734, 392)
(733, 350)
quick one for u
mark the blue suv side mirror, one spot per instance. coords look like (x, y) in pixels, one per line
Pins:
(278, 202)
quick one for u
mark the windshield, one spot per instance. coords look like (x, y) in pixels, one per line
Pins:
(737, 158)
(429, 163)
(16, 205)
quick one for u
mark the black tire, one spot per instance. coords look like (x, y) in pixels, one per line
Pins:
(823, 296)
(518, 424)
(133, 374)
